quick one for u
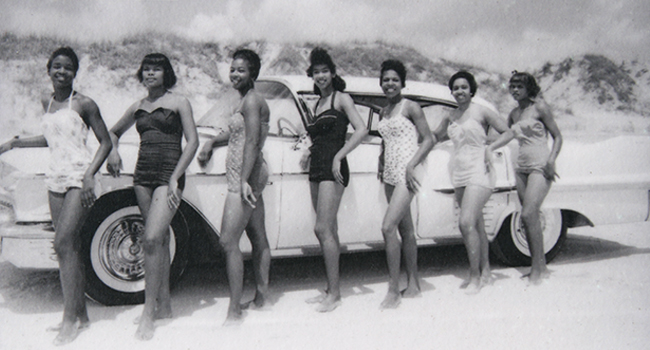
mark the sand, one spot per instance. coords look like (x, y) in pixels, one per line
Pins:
(597, 298)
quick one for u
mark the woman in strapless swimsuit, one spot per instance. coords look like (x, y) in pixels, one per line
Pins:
(532, 121)
(247, 175)
(328, 167)
(472, 174)
(70, 179)
(162, 119)
(402, 123)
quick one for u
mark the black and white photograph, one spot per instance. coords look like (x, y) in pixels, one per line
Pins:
(324, 174)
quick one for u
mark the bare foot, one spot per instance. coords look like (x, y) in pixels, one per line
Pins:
(330, 303)
(146, 329)
(411, 292)
(473, 287)
(486, 279)
(67, 333)
(81, 326)
(391, 301)
(159, 315)
(317, 299)
(535, 278)
(233, 318)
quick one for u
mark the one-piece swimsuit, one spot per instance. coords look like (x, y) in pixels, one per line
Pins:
(533, 145)
(327, 133)
(235, 157)
(66, 133)
(160, 132)
(468, 161)
(400, 138)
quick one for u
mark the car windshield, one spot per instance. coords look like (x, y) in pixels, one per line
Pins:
(285, 118)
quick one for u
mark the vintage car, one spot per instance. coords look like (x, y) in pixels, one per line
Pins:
(597, 186)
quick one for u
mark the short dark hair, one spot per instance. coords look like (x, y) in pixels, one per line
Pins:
(528, 80)
(158, 59)
(395, 65)
(254, 63)
(467, 76)
(67, 52)
(320, 56)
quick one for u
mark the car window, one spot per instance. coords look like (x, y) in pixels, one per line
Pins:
(285, 118)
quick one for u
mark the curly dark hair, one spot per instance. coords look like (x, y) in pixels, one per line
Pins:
(320, 56)
(254, 62)
(67, 52)
(395, 65)
(528, 80)
(158, 59)
(467, 76)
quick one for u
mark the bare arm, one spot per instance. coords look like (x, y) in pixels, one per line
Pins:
(206, 151)
(500, 125)
(94, 118)
(33, 141)
(114, 162)
(441, 131)
(546, 116)
(360, 131)
(192, 138)
(416, 115)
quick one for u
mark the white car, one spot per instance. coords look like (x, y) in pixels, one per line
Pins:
(597, 186)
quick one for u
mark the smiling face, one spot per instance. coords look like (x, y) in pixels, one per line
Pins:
(240, 75)
(62, 71)
(391, 83)
(322, 76)
(461, 91)
(153, 75)
(518, 90)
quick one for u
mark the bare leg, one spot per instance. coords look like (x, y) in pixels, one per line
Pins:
(328, 198)
(256, 232)
(235, 217)
(484, 263)
(472, 199)
(67, 217)
(399, 199)
(410, 254)
(532, 190)
(156, 249)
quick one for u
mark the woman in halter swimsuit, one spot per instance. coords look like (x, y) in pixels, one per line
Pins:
(70, 179)
(247, 174)
(531, 121)
(471, 171)
(328, 170)
(401, 124)
(162, 119)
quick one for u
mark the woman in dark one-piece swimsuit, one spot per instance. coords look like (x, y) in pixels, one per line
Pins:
(328, 168)
(162, 119)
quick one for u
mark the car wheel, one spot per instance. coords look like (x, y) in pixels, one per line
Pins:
(114, 253)
(511, 247)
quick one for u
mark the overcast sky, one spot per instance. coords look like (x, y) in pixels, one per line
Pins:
(501, 35)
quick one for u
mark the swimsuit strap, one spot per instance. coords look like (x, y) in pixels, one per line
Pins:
(333, 97)
(52, 99)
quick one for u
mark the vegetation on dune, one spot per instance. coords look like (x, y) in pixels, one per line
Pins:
(109, 67)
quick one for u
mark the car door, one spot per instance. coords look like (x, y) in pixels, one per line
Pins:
(362, 205)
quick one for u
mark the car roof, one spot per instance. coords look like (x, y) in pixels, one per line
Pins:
(423, 92)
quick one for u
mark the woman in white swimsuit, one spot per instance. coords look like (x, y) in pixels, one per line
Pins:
(401, 124)
(70, 179)
(472, 174)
